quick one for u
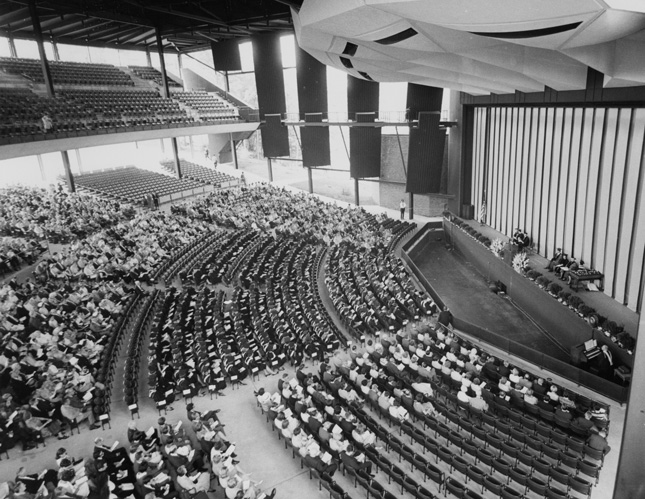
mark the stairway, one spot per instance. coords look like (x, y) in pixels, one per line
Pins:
(14, 81)
(139, 83)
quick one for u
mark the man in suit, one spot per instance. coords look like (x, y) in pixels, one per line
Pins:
(598, 441)
(350, 459)
(445, 317)
(605, 363)
(556, 260)
(563, 271)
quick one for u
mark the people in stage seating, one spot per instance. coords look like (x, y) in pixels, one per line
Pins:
(559, 258)
(567, 275)
(563, 272)
(521, 239)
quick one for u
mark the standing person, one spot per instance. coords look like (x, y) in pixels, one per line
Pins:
(242, 179)
(445, 317)
(402, 207)
(155, 198)
(47, 123)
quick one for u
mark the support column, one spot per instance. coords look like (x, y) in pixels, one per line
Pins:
(68, 172)
(163, 147)
(310, 176)
(42, 167)
(148, 58)
(192, 150)
(411, 204)
(12, 46)
(234, 152)
(629, 479)
(270, 169)
(356, 194)
(80, 161)
(56, 54)
(38, 35)
(228, 83)
(175, 154)
(164, 75)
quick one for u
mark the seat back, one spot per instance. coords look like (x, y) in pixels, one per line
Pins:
(454, 487)
(492, 484)
(580, 485)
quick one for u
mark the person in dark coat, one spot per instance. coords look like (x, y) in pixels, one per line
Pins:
(445, 317)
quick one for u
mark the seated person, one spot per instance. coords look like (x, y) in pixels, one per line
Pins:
(521, 239)
(598, 441)
(558, 258)
(563, 272)
(478, 402)
(567, 275)
(351, 459)
(195, 482)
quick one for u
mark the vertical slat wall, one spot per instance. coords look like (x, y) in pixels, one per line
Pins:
(572, 178)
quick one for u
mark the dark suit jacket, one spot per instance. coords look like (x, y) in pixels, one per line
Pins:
(352, 462)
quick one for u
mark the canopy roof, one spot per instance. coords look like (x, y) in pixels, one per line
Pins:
(186, 25)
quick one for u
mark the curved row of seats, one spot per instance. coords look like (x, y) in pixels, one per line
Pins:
(255, 329)
(152, 74)
(199, 173)
(468, 447)
(68, 73)
(140, 107)
(324, 480)
(138, 330)
(207, 106)
(372, 290)
(132, 184)
(76, 110)
(399, 229)
(503, 444)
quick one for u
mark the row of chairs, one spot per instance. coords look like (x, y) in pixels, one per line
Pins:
(135, 345)
(133, 184)
(199, 173)
(493, 448)
(152, 74)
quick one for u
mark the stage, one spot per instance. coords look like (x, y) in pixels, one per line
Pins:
(465, 291)
(526, 322)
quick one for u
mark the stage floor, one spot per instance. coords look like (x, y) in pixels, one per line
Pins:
(465, 291)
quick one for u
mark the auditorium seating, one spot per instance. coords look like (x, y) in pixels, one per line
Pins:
(16, 252)
(203, 340)
(21, 112)
(201, 174)
(152, 74)
(132, 184)
(252, 330)
(126, 108)
(82, 111)
(372, 291)
(67, 73)
(507, 447)
(207, 106)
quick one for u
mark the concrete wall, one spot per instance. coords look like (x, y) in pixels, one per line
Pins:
(392, 171)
